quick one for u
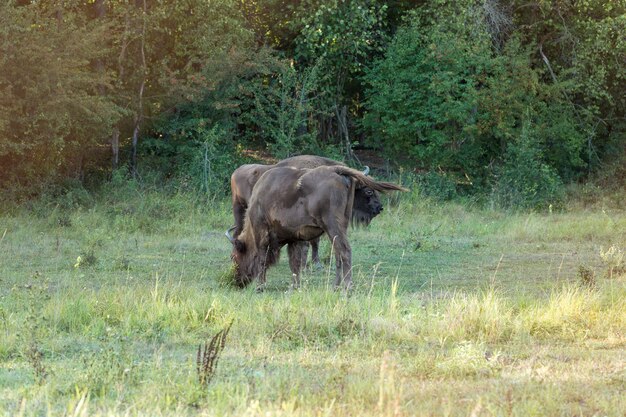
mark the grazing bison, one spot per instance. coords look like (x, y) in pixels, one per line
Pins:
(367, 203)
(290, 206)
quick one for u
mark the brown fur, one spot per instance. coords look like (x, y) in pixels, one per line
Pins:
(289, 206)
(244, 178)
(242, 183)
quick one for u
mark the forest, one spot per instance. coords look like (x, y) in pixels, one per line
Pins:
(505, 101)
(494, 286)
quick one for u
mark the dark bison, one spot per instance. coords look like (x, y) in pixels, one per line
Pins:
(366, 206)
(290, 206)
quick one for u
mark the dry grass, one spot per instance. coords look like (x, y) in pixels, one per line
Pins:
(486, 316)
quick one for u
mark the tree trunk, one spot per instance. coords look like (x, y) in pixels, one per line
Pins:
(100, 9)
(115, 136)
(342, 127)
(137, 128)
(100, 12)
(115, 148)
(139, 116)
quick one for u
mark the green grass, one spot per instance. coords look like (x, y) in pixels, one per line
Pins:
(455, 311)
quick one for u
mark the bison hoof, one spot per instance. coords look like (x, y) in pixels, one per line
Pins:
(259, 289)
(316, 266)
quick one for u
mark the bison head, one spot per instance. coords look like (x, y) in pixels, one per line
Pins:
(366, 205)
(248, 264)
(239, 258)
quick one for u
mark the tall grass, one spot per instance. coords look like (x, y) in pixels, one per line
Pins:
(455, 311)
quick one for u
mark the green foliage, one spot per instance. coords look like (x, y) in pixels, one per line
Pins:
(423, 96)
(583, 43)
(202, 140)
(283, 104)
(340, 38)
(445, 98)
(202, 53)
(525, 179)
(200, 62)
(52, 114)
(344, 33)
(57, 199)
(417, 322)
(440, 87)
(437, 185)
(197, 157)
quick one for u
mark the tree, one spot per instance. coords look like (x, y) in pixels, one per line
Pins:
(344, 36)
(452, 97)
(283, 103)
(581, 43)
(52, 114)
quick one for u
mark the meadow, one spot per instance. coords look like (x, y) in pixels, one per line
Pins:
(456, 310)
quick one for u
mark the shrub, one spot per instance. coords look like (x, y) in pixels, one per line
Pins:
(282, 105)
(196, 156)
(438, 185)
(525, 179)
(444, 99)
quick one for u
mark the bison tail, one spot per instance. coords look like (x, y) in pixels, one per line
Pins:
(366, 181)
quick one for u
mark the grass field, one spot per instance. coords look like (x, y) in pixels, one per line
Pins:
(456, 311)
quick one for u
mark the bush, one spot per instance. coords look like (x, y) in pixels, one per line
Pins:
(197, 157)
(60, 197)
(525, 180)
(438, 185)
(52, 115)
(282, 106)
(444, 99)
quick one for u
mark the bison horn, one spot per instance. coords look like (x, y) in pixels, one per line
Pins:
(229, 234)
(366, 171)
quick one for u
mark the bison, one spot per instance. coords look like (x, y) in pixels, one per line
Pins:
(366, 206)
(291, 206)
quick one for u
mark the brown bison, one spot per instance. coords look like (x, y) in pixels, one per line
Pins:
(366, 206)
(290, 206)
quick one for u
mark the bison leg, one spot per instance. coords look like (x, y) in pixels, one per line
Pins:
(297, 259)
(337, 230)
(315, 254)
(343, 259)
(260, 286)
(261, 277)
